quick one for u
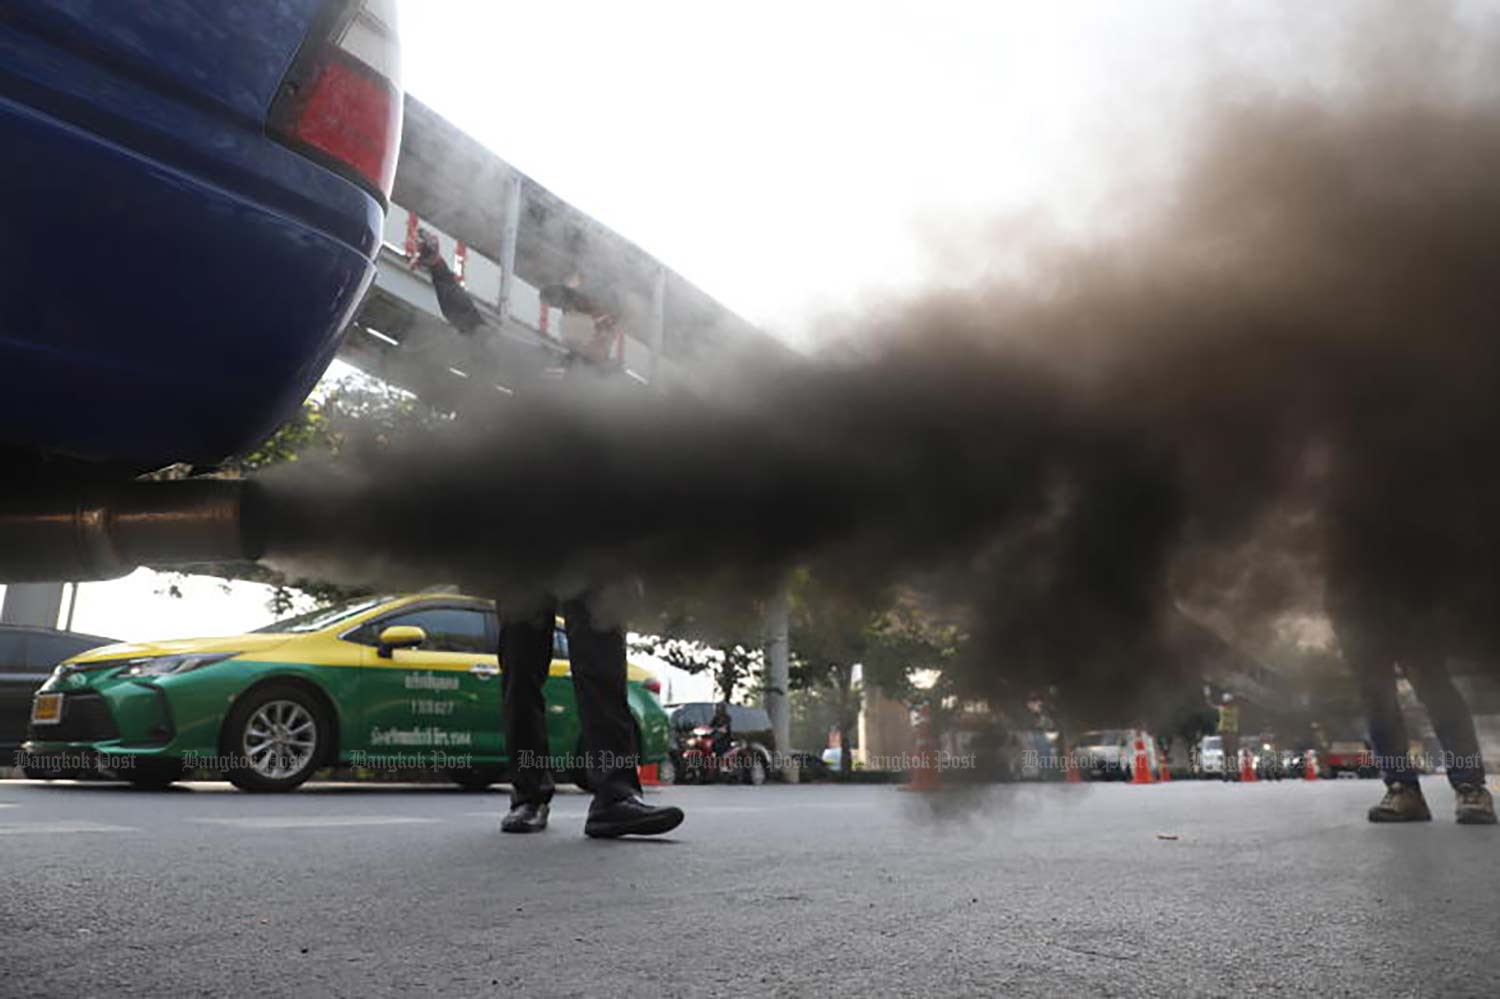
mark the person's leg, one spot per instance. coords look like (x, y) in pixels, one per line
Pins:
(1473, 804)
(1374, 672)
(1450, 718)
(525, 654)
(609, 735)
(1376, 678)
(597, 657)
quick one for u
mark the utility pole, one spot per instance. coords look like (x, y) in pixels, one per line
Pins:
(508, 238)
(778, 665)
(658, 325)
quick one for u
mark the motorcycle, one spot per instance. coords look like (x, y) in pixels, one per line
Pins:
(700, 764)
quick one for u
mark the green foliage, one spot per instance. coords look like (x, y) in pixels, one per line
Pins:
(698, 636)
(886, 636)
(735, 667)
(326, 423)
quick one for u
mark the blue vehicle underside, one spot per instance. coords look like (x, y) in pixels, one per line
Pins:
(172, 280)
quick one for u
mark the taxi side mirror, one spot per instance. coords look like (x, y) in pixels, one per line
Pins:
(399, 636)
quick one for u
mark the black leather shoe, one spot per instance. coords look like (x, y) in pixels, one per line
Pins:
(630, 817)
(525, 818)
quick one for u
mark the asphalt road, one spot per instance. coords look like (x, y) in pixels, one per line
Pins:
(371, 891)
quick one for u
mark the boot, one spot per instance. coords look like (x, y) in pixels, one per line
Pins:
(1403, 802)
(1474, 806)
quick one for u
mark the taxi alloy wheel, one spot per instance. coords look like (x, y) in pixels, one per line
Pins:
(277, 737)
(280, 739)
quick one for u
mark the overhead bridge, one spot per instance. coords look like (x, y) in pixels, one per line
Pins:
(506, 237)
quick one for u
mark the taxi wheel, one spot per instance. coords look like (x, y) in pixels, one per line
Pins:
(275, 738)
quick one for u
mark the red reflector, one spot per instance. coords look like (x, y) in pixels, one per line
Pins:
(653, 685)
(353, 116)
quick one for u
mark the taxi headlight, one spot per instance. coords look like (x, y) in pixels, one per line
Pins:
(164, 665)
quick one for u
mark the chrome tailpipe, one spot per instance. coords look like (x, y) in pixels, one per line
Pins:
(85, 531)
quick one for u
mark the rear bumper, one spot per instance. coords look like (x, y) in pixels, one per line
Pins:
(151, 315)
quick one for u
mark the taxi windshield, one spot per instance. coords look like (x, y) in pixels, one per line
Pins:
(317, 620)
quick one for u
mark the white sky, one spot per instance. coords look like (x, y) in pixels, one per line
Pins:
(781, 154)
(786, 156)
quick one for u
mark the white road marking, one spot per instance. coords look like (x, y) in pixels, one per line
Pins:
(315, 821)
(25, 828)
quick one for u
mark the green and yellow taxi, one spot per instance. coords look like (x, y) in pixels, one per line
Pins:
(408, 682)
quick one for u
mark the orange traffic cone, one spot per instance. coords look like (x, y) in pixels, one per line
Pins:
(1165, 769)
(1247, 769)
(1140, 772)
(1070, 769)
(648, 775)
(924, 772)
(1310, 766)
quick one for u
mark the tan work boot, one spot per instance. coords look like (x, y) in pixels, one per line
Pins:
(1403, 802)
(1474, 806)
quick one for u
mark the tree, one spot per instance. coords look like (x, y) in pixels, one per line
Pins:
(734, 667)
(697, 637)
(843, 641)
(356, 407)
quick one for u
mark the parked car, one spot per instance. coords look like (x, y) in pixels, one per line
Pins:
(379, 682)
(1269, 761)
(1109, 754)
(749, 727)
(27, 656)
(1208, 762)
(1350, 756)
(810, 766)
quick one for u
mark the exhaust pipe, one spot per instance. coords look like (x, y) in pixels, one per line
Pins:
(88, 532)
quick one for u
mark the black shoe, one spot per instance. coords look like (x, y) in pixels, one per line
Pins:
(525, 818)
(630, 817)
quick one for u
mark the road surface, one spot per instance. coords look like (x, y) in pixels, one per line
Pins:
(1097, 890)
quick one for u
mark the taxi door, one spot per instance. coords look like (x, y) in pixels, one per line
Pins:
(438, 699)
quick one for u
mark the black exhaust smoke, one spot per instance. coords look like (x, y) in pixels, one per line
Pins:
(1290, 371)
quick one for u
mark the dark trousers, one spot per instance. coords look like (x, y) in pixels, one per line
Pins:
(599, 682)
(1451, 720)
(1231, 743)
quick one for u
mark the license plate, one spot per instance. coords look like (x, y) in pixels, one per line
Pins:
(46, 709)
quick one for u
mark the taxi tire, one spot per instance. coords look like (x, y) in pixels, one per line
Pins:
(240, 773)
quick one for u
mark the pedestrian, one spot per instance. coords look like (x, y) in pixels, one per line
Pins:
(596, 648)
(1229, 736)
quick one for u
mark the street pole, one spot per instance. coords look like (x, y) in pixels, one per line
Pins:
(508, 237)
(658, 325)
(72, 605)
(778, 667)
